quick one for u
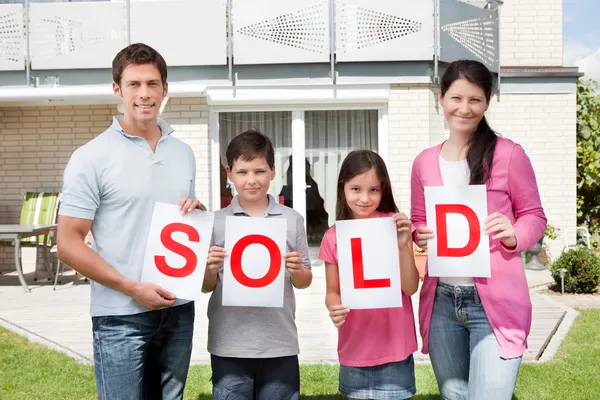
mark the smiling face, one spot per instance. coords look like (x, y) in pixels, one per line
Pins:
(142, 92)
(363, 194)
(251, 179)
(464, 106)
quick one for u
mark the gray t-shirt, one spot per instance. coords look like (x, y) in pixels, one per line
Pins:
(256, 332)
(114, 180)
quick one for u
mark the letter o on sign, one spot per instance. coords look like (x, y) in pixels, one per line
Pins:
(236, 261)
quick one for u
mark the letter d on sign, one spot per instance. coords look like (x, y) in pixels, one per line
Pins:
(236, 261)
(441, 211)
(191, 261)
(358, 270)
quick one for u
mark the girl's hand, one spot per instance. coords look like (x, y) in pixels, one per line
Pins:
(423, 234)
(404, 226)
(500, 225)
(337, 313)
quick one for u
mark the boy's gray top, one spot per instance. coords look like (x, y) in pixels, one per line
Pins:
(256, 332)
(114, 180)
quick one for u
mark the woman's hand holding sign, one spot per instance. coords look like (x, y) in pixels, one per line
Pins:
(499, 225)
(423, 235)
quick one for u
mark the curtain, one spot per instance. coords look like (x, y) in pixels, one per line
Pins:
(276, 125)
(330, 136)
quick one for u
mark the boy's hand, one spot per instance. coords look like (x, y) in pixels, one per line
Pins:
(337, 313)
(187, 205)
(216, 256)
(403, 226)
(293, 262)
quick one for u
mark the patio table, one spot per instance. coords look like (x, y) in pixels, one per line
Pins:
(16, 232)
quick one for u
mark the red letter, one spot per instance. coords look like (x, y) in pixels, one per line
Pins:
(236, 261)
(358, 271)
(191, 261)
(441, 210)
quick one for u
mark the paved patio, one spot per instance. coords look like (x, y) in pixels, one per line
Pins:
(60, 319)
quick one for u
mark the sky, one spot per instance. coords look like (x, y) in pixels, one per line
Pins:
(581, 36)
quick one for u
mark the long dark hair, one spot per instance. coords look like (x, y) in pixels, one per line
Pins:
(483, 142)
(358, 162)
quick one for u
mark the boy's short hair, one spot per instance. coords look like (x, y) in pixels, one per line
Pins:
(249, 145)
(138, 54)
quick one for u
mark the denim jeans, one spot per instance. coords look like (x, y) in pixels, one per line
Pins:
(463, 349)
(255, 378)
(143, 356)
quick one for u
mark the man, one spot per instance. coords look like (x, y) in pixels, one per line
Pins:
(142, 333)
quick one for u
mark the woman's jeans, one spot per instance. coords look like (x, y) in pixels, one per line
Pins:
(463, 349)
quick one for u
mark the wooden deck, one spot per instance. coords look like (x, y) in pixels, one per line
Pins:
(61, 317)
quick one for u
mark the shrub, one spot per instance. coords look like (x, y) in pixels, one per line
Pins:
(583, 270)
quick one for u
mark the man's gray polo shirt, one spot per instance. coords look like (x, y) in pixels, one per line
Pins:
(114, 180)
(256, 332)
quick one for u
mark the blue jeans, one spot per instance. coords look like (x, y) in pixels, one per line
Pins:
(463, 349)
(255, 378)
(143, 356)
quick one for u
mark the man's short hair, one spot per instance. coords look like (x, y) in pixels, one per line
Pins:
(138, 54)
(249, 145)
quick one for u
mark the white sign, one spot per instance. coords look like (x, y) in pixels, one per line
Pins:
(253, 273)
(460, 247)
(177, 249)
(368, 263)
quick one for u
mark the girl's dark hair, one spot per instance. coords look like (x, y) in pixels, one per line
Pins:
(358, 162)
(483, 142)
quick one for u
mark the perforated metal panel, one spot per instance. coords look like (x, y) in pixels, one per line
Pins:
(283, 31)
(195, 33)
(381, 30)
(76, 35)
(11, 38)
(475, 3)
(469, 32)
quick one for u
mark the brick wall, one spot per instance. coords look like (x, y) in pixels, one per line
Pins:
(545, 125)
(410, 121)
(36, 143)
(531, 33)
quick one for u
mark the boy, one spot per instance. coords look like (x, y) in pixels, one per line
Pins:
(254, 350)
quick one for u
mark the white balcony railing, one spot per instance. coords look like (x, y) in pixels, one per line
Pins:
(79, 35)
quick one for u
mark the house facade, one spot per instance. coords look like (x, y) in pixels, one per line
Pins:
(320, 77)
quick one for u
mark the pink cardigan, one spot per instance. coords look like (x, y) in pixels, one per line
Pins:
(512, 190)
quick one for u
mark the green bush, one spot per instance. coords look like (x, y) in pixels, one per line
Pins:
(583, 270)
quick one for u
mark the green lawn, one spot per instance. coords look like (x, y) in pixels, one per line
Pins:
(29, 371)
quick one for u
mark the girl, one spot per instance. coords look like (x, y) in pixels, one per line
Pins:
(374, 346)
(475, 329)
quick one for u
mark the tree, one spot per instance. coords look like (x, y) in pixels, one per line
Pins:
(588, 154)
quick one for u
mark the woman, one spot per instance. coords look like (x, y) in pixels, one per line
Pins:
(475, 329)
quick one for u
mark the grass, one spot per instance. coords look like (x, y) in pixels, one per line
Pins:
(30, 371)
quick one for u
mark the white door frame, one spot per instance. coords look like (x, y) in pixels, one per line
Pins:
(298, 142)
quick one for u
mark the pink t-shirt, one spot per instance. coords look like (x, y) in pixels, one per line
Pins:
(372, 337)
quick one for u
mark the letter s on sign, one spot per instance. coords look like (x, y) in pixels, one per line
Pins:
(191, 261)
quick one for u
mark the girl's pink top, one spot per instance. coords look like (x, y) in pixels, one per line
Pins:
(512, 191)
(375, 336)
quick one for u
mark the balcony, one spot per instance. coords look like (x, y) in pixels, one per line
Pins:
(64, 36)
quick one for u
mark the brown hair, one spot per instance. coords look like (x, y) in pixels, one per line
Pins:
(358, 162)
(138, 54)
(249, 145)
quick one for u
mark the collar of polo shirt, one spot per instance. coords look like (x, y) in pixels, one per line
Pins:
(274, 208)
